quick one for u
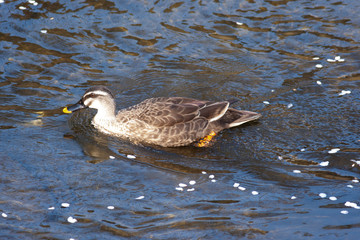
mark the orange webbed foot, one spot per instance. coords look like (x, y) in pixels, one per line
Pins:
(206, 141)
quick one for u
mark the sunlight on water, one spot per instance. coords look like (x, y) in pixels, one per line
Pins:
(292, 174)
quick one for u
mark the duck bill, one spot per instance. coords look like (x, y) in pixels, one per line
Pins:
(74, 107)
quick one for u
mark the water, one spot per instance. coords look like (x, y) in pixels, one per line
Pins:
(263, 53)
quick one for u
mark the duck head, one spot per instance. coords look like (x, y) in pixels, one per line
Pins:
(99, 98)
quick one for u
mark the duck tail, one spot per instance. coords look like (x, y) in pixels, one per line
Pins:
(234, 117)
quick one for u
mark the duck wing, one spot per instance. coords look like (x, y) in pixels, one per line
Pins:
(162, 112)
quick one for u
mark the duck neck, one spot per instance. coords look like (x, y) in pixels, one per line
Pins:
(108, 123)
(100, 119)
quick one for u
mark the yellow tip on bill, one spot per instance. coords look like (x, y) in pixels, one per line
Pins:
(65, 110)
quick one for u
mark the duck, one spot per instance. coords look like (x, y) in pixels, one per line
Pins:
(161, 121)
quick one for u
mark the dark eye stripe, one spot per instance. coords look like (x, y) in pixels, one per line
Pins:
(102, 89)
(92, 95)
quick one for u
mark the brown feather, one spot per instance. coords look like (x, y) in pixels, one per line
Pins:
(214, 111)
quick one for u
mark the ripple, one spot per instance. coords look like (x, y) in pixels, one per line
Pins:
(262, 53)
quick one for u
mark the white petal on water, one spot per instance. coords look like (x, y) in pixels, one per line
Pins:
(333, 198)
(22, 8)
(290, 105)
(318, 66)
(51, 208)
(71, 220)
(355, 180)
(293, 197)
(179, 189)
(316, 58)
(344, 92)
(33, 2)
(318, 82)
(266, 102)
(296, 171)
(322, 195)
(211, 176)
(352, 204)
(110, 207)
(330, 60)
(341, 60)
(239, 23)
(350, 186)
(236, 185)
(111, 157)
(254, 192)
(324, 164)
(355, 161)
(2, 1)
(213, 180)
(4, 215)
(334, 150)
(182, 185)
(280, 157)
(349, 204)
(203, 172)
(140, 197)
(65, 205)
(241, 188)
(191, 189)
(130, 156)
(192, 182)
(43, 31)
(344, 212)
(337, 58)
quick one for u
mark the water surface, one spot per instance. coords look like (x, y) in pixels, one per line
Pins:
(278, 58)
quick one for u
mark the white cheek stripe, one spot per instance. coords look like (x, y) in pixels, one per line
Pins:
(86, 102)
(102, 93)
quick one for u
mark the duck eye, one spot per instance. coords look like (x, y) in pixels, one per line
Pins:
(88, 96)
